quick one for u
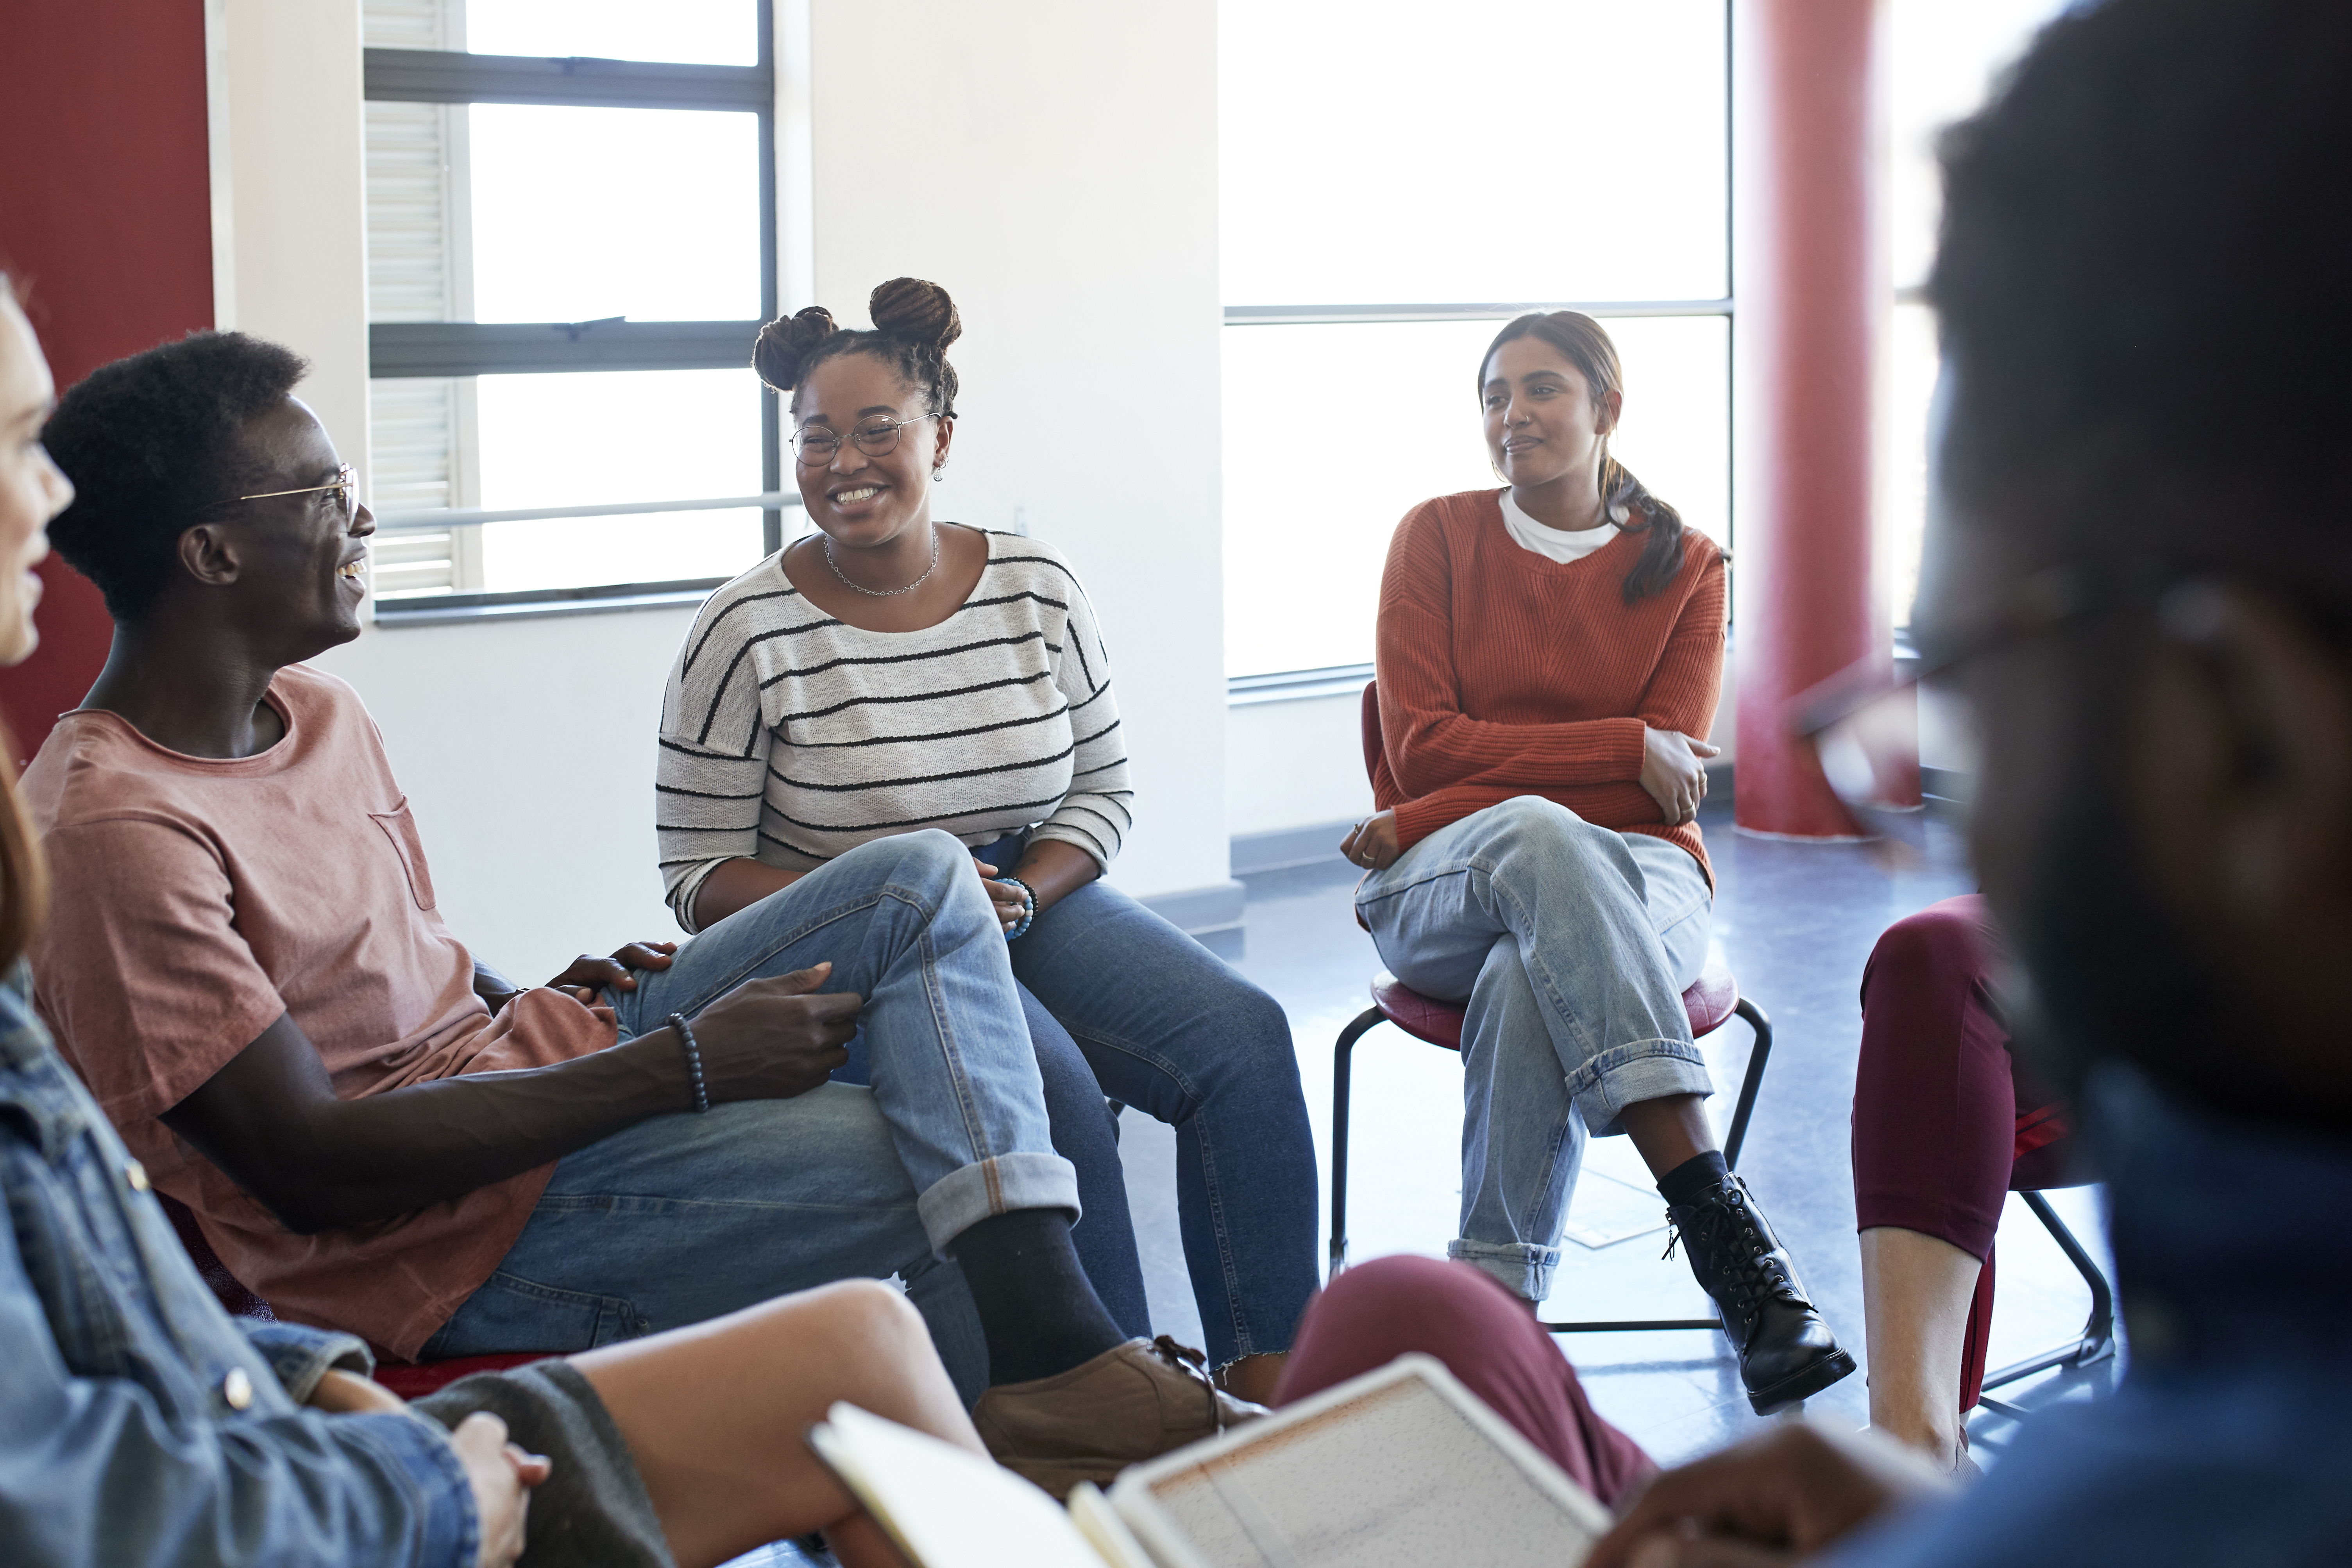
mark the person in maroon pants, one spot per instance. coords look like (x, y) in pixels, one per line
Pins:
(1485, 1336)
(1946, 1121)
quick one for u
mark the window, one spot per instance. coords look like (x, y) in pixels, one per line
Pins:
(1943, 58)
(1399, 182)
(571, 246)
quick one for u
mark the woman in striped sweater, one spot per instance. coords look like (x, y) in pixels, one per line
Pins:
(1549, 656)
(887, 674)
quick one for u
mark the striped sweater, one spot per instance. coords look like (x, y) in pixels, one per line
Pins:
(788, 736)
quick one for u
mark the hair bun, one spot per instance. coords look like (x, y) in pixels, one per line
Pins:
(913, 309)
(786, 342)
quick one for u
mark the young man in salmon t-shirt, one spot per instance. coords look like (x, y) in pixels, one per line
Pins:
(378, 1133)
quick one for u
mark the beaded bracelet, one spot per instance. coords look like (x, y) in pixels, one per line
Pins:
(1028, 908)
(693, 1060)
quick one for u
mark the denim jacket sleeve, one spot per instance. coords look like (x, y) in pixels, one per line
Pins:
(104, 1470)
(300, 1354)
(137, 1427)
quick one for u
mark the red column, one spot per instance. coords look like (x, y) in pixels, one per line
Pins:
(1809, 287)
(106, 215)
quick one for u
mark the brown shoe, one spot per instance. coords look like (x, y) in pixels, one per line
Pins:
(1129, 1403)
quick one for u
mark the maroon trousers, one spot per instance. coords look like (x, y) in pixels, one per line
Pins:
(1943, 1130)
(1487, 1337)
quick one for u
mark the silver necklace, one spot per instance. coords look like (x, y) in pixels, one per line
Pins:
(884, 593)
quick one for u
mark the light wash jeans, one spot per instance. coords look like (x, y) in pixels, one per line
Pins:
(1568, 947)
(684, 1217)
(1119, 1002)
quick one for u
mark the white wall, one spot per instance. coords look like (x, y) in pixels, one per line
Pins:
(1053, 164)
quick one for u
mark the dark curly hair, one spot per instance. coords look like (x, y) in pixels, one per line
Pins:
(2144, 287)
(154, 443)
(1632, 507)
(914, 322)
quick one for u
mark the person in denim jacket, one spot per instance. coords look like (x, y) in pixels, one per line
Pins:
(140, 1424)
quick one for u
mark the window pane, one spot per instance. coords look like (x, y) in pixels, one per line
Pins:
(1319, 472)
(695, 32)
(1942, 62)
(580, 213)
(1381, 151)
(582, 439)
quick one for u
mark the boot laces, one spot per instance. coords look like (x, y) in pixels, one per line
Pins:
(1729, 1229)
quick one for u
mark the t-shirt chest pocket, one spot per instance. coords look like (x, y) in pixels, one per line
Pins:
(400, 827)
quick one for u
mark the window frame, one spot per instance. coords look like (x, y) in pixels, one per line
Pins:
(1330, 681)
(465, 349)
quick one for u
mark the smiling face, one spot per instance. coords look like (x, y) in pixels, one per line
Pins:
(32, 490)
(859, 499)
(299, 561)
(1542, 425)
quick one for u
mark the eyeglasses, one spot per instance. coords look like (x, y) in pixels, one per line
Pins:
(1871, 730)
(345, 488)
(876, 438)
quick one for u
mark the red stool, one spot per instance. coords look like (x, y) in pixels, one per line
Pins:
(410, 1379)
(1712, 1001)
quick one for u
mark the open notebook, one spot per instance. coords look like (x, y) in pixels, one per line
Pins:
(1400, 1467)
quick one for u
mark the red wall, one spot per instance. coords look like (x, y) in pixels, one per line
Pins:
(105, 212)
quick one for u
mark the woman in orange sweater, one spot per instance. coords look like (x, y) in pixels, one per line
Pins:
(1549, 656)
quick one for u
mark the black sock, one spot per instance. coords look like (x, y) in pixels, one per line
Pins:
(1039, 1311)
(1692, 1177)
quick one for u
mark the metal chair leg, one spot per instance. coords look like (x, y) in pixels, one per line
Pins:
(2098, 1341)
(1340, 1057)
(1749, 1083)
(1757, 1054)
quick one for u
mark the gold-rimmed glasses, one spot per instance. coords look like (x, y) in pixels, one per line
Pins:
(876, 438)
(345, 482)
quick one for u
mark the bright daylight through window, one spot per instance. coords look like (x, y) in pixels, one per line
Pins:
(1396, 184)
(1943, 57)
(568, 203)
(1393, 191)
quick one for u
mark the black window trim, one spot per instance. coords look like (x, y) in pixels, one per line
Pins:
(439, 349)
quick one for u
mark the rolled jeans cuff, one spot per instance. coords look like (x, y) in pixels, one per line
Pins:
(1605, 1084)
(995, 1186)
(1524, 1270)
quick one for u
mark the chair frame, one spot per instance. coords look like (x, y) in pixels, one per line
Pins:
(2098, 1339)
(1363, 1023)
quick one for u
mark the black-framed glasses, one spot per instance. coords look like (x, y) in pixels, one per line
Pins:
(345, 486)
(1872, 729)
(817, 445)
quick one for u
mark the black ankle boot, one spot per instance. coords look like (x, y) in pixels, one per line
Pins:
(1786, 1351)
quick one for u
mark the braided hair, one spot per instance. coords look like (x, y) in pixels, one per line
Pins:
(914, 322)
(1630, 506)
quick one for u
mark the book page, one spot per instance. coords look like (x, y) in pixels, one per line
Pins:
(944, 1506)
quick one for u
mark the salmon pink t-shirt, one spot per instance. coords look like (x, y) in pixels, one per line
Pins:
(195, 901)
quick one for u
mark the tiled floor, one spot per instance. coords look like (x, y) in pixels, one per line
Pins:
(1795, 922)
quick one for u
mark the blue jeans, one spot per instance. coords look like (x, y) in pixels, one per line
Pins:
(1568, 946)
(683, 1217)
(1171, 1030)
(1084, 1133)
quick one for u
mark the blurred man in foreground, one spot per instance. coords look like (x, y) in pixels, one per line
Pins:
(2140, 586)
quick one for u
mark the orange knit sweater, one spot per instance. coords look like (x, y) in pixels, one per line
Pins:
(1503, 673)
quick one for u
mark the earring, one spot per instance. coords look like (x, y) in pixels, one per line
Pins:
(937, 472)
